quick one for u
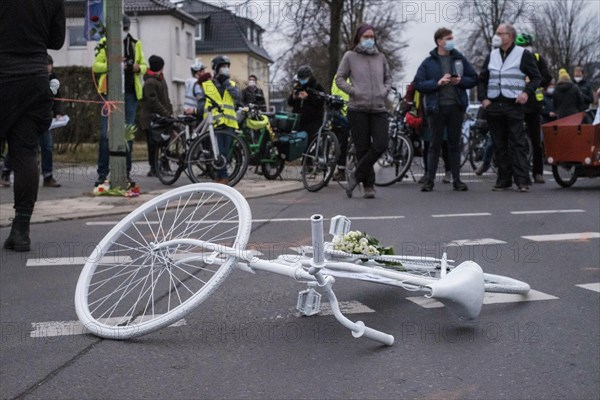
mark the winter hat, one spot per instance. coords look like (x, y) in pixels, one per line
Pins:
(361, 31)
(156, 63)
(563, 75)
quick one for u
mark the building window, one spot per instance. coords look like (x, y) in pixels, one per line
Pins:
(177, 41)
(249, 33)
(189, 45)
(76, 36)
(200, 31)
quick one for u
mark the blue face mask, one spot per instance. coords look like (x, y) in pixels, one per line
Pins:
(303, 81)
(449, 46)
(367, 43)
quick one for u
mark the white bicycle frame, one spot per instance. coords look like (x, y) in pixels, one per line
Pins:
(461, 290)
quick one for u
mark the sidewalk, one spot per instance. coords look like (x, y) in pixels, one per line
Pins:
(74, 199)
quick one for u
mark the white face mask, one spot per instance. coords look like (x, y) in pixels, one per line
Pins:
(550, 90)
(496, 41)
(578, 79)
(251, 83)
(224, 71)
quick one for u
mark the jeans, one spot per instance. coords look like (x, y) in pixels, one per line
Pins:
(103, 148)
(224, 142)
(448, 119)
(370, 136)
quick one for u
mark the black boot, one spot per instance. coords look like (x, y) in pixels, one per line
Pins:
(18, 240)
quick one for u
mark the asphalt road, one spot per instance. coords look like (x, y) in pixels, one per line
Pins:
(247, 340)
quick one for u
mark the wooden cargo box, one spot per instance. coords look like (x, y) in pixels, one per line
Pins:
(566, 140)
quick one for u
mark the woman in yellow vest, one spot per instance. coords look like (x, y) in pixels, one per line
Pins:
(222, 91)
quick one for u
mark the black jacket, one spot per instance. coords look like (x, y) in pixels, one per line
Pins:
(310, 109)
(586, 92)
(533, 105)
(567, 99)
(29, 28)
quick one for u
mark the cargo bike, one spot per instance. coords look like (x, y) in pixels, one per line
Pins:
(170, 254)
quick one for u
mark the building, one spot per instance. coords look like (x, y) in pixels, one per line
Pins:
(164, 30)
(221, 31)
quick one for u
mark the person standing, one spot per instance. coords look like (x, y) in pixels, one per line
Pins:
(193, 88)
(370, 83)
(252, 94)
(567, 99)
(548, 113)
(28, 29)
(134, 69)
(155, 100)
(503, 91)
(223, 92)
(584, 87)
(533, 110)
(308, 106)
(443, 78)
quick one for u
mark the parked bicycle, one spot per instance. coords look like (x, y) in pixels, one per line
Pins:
(166, 257)
(320, 159)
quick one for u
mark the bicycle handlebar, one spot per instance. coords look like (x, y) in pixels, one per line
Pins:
(372, 334)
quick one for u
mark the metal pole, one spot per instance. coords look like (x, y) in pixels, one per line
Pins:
(116, 126)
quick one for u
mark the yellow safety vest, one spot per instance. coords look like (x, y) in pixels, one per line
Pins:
(229, 117)
(336, 91)
(539, 92)
(417, 99)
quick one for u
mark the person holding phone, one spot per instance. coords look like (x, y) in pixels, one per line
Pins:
(443, 78)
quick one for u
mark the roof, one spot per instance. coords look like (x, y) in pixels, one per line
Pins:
(225, 31)
(76, 9)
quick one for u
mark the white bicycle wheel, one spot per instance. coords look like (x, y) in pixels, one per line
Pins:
(132, 286)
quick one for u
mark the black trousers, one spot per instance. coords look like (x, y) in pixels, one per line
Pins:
(532, 121)
(448, 119)
(510, 144)
(26, 114)
(370, 136)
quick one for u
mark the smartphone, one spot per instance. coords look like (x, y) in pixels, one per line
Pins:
(454, 76)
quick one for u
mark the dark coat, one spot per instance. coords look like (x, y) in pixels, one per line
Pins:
(155, 100)
(430, 72)
(567, 99)
(310, 109)
(586, 92)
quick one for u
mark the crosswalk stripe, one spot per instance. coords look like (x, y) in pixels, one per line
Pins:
(65, 328)
(461, 215)
(475, 242)
(488, 298)
(546, 212)
(591, 286)
(582, 236)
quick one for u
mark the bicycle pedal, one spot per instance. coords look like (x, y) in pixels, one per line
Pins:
(309, 302)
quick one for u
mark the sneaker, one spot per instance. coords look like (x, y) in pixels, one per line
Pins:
(351, 184)
(99, 181)
(460, 186)
(50, 182)
(369, 193)
(422, 180)
(151, 173)
(523, 188)
(447, 177)
(482, 168)
(427, 186)
(539, 178)
(339, 175)
(501, 188)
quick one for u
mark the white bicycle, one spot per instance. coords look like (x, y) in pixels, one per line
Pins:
(166, 257)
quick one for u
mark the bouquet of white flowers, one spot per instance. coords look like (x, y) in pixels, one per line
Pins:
(356, 242)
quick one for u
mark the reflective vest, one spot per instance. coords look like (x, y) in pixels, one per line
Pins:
(229, 117)
(336, 91)
(506, 77)
(539, 92)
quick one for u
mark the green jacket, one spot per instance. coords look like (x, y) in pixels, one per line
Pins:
(101, 67)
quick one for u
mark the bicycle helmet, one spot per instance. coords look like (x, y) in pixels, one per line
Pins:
(218, 61)
(524, 39)
(304, 72)
(197, 65)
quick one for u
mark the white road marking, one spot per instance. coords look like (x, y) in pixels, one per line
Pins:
(582, 236)
(591, 286)
(488, 298)
(257, 220)
(475, 242)
(461, 215)
(66, 328)
(546, 212)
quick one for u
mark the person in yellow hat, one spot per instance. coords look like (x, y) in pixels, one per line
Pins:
(567, 96)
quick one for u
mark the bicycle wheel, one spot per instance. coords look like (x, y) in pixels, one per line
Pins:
(170, 159)
(564, 174)
(130, 286)
(395, 162)
(202, 165)
(464, 149)
(477, 145)
(319, 161)
(272, 165)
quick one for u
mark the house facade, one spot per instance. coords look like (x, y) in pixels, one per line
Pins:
(164, 30)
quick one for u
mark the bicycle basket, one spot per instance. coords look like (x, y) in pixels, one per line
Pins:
(160, 129)
(257, 125)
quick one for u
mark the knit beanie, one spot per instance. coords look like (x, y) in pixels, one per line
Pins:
(156, 63)
(361, 31)
(563, 75)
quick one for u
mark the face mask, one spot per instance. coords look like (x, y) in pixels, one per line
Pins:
(367, 43)
(496, 41)
(449, 46)
(550, 90)
(303, 81)
(578, 79)
(251, 83)
(224, 71)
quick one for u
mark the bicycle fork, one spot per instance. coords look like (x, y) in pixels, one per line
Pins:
(309, 300)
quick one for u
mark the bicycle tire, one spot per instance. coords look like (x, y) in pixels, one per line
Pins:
(395, 162)
(464, 149)
(476, 150)
(109, 300)
(202, 165)
(170, 159)
(319, 161)
(565, 175)
(272, 164)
